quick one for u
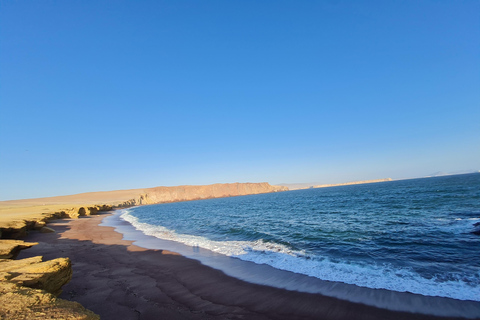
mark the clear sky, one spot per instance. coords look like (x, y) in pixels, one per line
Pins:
(108, 95)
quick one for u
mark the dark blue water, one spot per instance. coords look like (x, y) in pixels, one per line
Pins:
(411, 235)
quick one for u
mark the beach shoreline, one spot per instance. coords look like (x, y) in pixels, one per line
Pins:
(117, 279)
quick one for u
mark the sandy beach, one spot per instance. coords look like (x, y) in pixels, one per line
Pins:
(118, 280)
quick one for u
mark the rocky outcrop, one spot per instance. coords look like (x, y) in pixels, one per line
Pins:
(15, 229)
(19, 302)
(29, 287)
(49, 275)
(76, 212)
(47, 230)
(9, 249)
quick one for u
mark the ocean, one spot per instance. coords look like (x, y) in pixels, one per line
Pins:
(411, 236)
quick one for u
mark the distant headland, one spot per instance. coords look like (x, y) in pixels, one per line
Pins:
(297, 186)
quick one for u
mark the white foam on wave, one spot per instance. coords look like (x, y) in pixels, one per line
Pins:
(283, 258)
(228, 248)
(456, 225)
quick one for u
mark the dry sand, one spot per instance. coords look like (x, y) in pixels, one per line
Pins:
(118, 280)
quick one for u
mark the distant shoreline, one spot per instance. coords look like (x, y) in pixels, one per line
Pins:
(300, 186)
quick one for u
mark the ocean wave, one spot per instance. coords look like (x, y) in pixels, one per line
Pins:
(456, 225)
(385, 276)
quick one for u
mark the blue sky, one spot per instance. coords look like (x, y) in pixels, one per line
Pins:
(107, 95)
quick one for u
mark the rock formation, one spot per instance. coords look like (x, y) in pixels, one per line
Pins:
(9, 249)
(33, 273)
(29, 287)
(18, 227)
(186, 193)
(18, 302)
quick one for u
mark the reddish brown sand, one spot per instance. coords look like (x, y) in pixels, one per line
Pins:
(118, 280)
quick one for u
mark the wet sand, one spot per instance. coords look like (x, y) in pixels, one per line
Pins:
(118, 280)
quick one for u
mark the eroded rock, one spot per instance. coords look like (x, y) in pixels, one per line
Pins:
(28, 290)
(9, 249)
(47, 230)
(13, 229)
(18, 302)
(39, 225)
(48, 275)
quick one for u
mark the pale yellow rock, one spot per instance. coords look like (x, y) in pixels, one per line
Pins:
(49, 275)
(9, 249)
(17, 302)
(47, 230)
(28, 288)
(7, 265)
(39, 225)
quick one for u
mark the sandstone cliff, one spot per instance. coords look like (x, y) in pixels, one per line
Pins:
(186, 193)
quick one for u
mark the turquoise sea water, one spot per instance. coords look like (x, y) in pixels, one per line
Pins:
(408, 236)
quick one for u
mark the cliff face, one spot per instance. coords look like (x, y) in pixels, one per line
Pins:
(186, 193)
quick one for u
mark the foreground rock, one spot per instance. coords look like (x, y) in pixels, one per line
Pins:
(18, 302)
(47, 230)
(33, 273)
(29, 289)
(9, 249)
